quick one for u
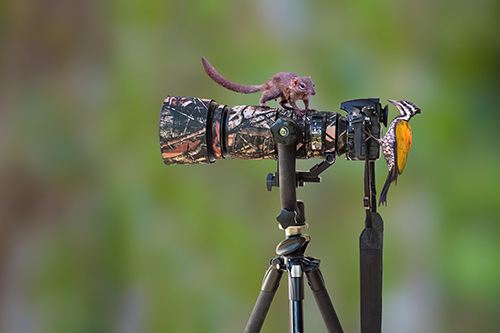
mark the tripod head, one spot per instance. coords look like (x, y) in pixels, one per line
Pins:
(285, 134)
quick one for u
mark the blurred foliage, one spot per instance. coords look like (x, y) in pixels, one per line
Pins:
(97, 235)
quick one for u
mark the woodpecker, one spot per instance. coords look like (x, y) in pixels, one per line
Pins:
(396, 143)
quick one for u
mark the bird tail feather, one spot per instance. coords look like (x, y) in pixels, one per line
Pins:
(391, 177)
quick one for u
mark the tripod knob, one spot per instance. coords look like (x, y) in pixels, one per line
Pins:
(271, 181)
(285, 131)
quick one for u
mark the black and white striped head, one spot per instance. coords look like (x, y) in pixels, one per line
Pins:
(407, 109)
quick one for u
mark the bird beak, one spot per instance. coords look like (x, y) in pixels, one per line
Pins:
(395, 103)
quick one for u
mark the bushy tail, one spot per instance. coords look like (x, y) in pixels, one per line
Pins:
(391, 177)
(225, 82)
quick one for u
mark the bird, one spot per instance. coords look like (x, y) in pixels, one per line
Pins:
(396, 143)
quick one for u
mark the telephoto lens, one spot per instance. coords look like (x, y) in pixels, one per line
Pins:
(194, 130)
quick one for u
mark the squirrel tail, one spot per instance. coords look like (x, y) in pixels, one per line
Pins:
(225, 82)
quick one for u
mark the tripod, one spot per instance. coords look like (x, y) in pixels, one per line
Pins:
(292, 259)
(291, 251)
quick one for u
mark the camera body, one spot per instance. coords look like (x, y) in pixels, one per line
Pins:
(363, 116)
(194, 130)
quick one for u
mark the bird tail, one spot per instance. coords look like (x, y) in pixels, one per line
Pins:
(225, 82)
(391, 177)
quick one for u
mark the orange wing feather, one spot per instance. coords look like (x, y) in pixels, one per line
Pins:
(403, 143)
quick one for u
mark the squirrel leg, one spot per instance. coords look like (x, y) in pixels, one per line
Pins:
(306, 103)
(268, 95)
(283, 103)
(298, 111)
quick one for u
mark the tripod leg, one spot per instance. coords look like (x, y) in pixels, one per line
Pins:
(268, 290)
(296, 296)
(317, 284)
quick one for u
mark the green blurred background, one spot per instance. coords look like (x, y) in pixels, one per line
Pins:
(98, 235)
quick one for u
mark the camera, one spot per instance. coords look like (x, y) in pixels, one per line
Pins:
(363, 116)
(193, 130)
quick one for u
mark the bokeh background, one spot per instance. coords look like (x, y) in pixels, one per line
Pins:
(98, 235)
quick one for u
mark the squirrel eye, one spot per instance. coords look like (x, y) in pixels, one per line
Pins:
(302, 86)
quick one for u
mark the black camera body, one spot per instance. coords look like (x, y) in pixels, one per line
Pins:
(363, 116)
(194, 130)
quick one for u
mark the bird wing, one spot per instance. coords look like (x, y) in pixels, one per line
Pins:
(403, 143)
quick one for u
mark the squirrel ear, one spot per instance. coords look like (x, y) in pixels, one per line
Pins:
(294, 81)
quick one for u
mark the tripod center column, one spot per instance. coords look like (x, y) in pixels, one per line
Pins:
(296, 295)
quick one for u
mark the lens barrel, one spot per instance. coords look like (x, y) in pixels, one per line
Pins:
(194, 130)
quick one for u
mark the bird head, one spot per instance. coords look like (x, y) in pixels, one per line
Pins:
(407, 109)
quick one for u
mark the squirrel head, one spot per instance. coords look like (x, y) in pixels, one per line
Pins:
(303, 85)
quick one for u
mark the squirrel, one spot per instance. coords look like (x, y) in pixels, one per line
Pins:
(289, 86)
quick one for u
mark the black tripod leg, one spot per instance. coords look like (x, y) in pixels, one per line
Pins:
(296, 295)
(268, 290)
(317, 284)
